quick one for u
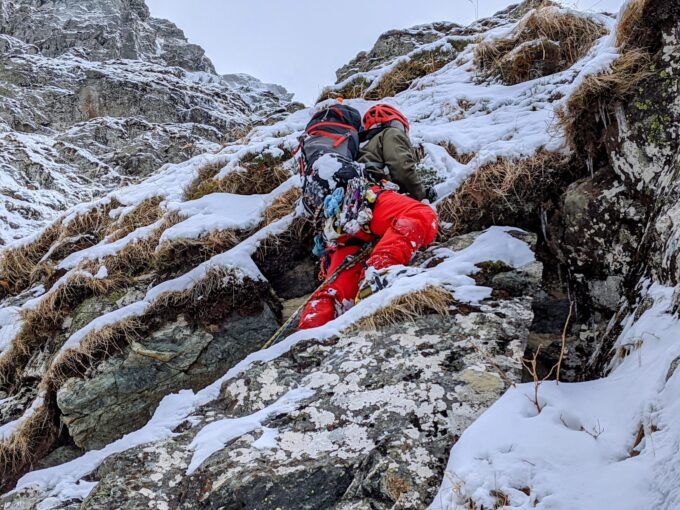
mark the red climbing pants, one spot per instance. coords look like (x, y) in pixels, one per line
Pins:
(403, 226)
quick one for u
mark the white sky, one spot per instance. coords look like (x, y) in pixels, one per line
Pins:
(300, 43)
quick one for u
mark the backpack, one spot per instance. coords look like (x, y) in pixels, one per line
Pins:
(329, 148)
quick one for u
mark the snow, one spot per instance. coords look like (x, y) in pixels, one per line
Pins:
(215, 212)
(9, 428)
(578, 451)
(176, 408)
(511, 446)
(10, 325)
(215, 436)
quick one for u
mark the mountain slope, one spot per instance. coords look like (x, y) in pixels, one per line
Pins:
(131, 366)
(96, 95)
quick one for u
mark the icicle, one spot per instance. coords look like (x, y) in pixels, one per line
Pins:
(590, 165)
(544, 223)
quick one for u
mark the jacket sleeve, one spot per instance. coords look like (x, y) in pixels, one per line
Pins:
(400, 158)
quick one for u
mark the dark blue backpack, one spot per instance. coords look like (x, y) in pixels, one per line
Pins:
(329, 148)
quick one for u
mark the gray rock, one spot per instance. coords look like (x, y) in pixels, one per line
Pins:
(387, 407)
(122, 393)
(393, 44)
(96, 94)
(100, 30)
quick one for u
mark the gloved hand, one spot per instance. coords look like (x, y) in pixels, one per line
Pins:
(333, 202)
(431, 195)
(372, 282)
(319, 246)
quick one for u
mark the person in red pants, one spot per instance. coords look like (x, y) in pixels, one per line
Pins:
(401, 225)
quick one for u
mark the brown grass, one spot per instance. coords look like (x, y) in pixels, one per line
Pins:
(17, 264)
(43, 323)
(545, 42)
(147, 212)
(261, 174)
(398, 79)
(598, 93)
(98, 344)
(354, 89)
(281, 206)
(24, 266)
(463, 159)
(408, 308)
(139, 255)
(30, 442)
(175, 256)
(631, 23)
(498, 190)
(405, 73)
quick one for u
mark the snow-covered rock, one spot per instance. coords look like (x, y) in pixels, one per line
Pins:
(350, 416)
(97, 94)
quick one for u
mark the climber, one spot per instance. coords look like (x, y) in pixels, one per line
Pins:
(388, 152)
(353, 208)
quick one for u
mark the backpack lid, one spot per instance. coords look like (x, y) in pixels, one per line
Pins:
(339, 116)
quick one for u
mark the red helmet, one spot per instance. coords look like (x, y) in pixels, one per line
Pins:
(384, 114)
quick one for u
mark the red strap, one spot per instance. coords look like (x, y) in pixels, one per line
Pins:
(340, 141)
(338, 112)
(315, 132)
(333, 124)
(297, 149)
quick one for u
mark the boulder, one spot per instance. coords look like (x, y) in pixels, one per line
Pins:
(122, 392)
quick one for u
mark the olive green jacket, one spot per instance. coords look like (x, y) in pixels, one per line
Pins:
(391, 149)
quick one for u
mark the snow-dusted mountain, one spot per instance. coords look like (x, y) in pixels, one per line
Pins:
(131, 368)
(96, 94)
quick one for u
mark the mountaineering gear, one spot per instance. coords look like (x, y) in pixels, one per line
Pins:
(372, 282)
(390, 155)
(329, 149)
(383, 114)
(349, 262)
(402, 224)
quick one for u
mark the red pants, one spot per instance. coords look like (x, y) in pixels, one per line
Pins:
(403, 225)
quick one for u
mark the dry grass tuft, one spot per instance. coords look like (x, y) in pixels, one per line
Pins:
(273, 245)
(205, 174)
(281, 207)
(94, 347)
(631, 23)
(353, 90)
(401, 76)
(43, 323)
(17, 264)
(463, 159)
(177, 255)
(28, 444)
(261, 174)
(498, 190)
(409, 307)
(146, 213)
(398, 79)
(547, 41)
(140, 254)
(598, 93)
(25, 265)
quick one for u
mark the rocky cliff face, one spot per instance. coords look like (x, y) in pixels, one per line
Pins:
(97, 94)
(130, 330)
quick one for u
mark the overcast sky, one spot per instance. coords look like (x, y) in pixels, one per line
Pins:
(300, 43)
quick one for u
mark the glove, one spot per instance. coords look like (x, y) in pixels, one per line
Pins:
(372, 282)
(333, 202)
(319, 246)
(431, 195)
